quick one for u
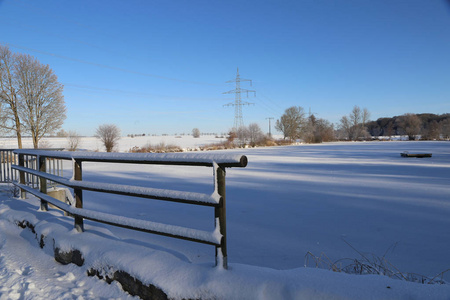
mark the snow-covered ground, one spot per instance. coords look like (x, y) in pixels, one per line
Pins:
(125, 143)
(286, 202)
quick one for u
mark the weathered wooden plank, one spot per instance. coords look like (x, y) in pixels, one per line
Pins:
(194, 235)
(134, 191)
(187, 159)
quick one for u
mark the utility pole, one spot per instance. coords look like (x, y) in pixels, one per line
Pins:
(238, 120)
(270, 133)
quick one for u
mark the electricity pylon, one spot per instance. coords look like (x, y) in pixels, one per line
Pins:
(238, 120)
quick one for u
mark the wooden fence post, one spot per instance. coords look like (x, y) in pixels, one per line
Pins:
(220, 215)
(42, 181)
(3, 162)
(23, 194)
(77, 170)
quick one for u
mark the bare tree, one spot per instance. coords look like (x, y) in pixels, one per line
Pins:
(196, 133)
(309, 129)
(410, 125)
(365, 117)
(291, 122)
(242, 135)
(231, 136)
(354, 125)
(345, 127)
(41, 107)
(318, 130)
(323, 131)
(109, 134)
(255, 134)
(30, 95)
(73, 139)
(355, 118)
(9, 99)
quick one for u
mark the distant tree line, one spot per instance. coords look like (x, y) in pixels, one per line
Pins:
(296, 125)
(427, 126)
(132, 135)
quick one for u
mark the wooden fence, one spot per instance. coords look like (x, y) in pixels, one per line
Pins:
(9, 158)
(216, 200)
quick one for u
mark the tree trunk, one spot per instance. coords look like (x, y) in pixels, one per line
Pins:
(18, 131)
(19, 139)
(35, 140)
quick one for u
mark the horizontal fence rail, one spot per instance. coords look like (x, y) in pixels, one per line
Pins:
(216, 200)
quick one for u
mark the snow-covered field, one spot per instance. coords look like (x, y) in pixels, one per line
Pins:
(125, 143)
(286, 202)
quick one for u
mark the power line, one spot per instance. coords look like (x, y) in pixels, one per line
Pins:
(107, 66)
(264, 94)
(47, 15)
(107, 90)
(39, 11)
(270, 109)
(238, 119)
(67, 38)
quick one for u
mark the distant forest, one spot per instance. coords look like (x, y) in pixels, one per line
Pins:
(295, 125)
(429, 126)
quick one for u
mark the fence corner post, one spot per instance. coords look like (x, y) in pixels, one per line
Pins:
(42, 181)
(220, 215)
(77, 172)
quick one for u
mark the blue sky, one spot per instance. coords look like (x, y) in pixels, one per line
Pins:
(162, 66)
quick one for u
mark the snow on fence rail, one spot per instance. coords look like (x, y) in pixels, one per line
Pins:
(219, 162)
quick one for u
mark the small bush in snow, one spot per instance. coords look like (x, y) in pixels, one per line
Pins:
(14, 191)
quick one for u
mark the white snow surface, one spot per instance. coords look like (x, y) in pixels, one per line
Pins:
(286, 202)
(125, 143)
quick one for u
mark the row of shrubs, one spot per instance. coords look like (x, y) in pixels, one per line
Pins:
(159, 148)
(230, 143)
